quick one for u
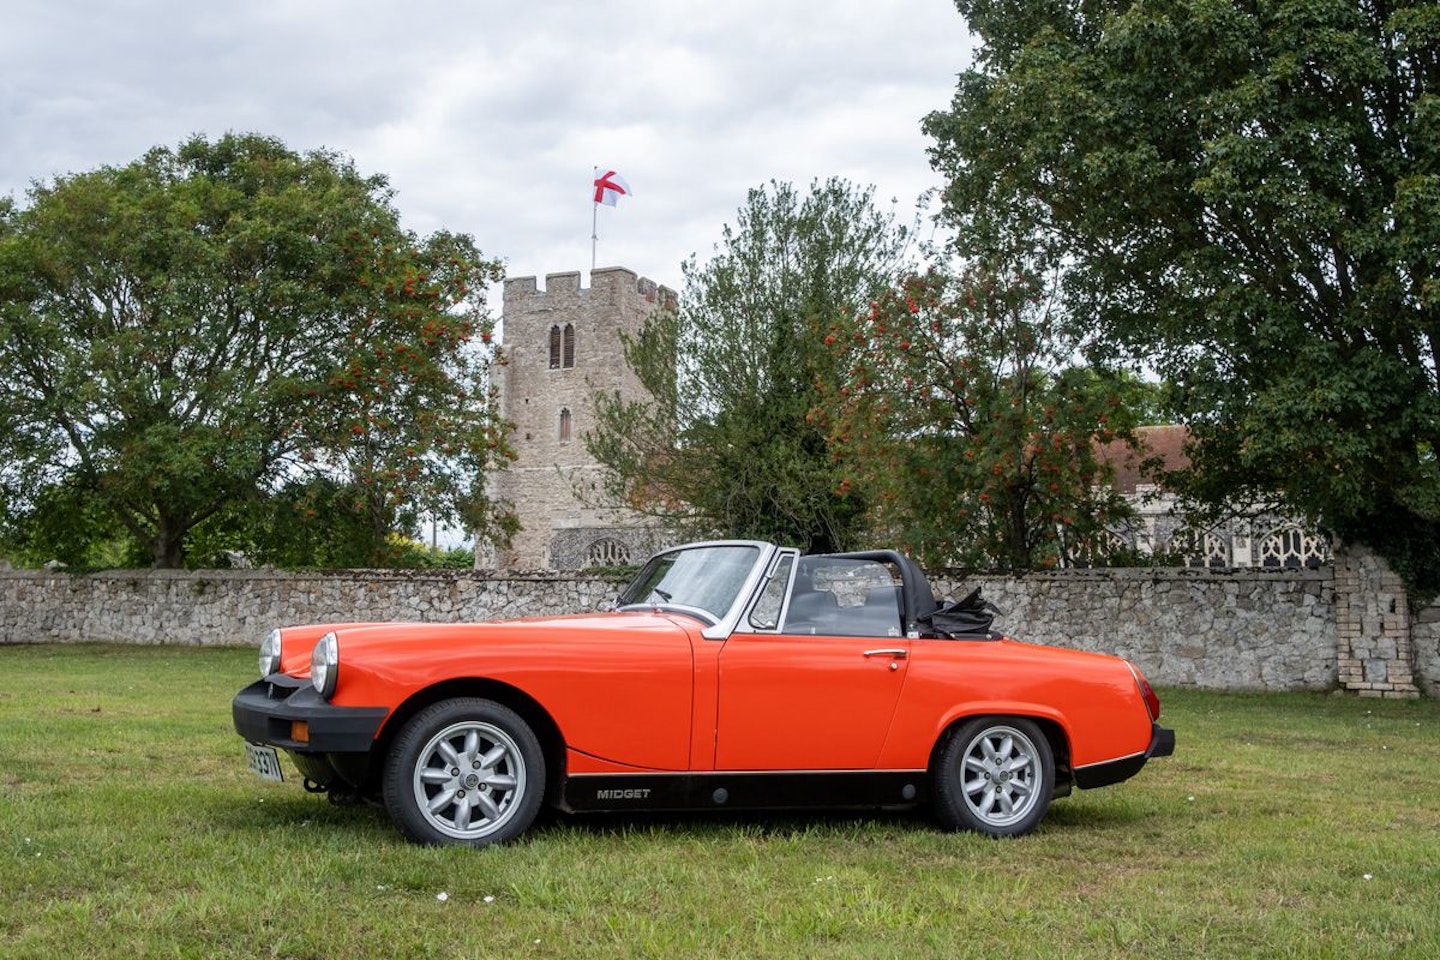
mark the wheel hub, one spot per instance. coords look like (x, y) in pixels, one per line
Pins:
(1000, 762)
(467, 779)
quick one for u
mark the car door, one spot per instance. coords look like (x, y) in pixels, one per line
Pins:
(817, 700)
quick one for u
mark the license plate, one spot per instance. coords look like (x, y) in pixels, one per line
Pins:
(264, 761)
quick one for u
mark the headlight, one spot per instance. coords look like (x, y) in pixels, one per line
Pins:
(325, 665)
(270, 654)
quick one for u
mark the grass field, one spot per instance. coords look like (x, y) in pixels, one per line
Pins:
(1298, 825)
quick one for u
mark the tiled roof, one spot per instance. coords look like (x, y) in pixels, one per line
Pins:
(1167, 443)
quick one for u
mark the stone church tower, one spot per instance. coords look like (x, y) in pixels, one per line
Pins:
(563, 344)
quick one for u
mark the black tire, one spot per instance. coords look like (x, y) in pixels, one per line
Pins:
(995, 775)
(464, 771)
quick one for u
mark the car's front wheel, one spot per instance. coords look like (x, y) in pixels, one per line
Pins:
(464, 771)
(995, 775)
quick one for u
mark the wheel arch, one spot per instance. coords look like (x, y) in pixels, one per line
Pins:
(552, 742)
(1051, 727)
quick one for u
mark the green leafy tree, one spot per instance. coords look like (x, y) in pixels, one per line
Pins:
(723, 444)
(410, 416)
(965, 424)
(201, 326)
(63, 524)
(1250, 198)
(314, 522)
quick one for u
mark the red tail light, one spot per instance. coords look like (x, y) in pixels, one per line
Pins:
(1147, 693)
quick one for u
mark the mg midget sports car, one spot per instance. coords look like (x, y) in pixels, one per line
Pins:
(727, 675)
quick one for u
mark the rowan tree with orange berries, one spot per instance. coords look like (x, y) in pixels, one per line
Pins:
(968, 426)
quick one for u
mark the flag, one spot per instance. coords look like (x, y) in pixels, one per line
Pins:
(609, 187)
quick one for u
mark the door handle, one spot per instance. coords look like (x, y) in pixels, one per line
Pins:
(897, 653)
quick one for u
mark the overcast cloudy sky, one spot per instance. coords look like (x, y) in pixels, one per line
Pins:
(488, 117)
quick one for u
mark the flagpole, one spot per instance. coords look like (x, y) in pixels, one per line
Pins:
(608, 186)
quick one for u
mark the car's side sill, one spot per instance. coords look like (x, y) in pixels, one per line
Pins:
(747, 790)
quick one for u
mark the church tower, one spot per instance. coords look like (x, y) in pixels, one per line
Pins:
(563, 344)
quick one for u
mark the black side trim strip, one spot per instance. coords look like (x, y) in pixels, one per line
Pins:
(748, 791)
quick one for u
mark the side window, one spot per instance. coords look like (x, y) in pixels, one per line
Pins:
(844, 598)
(555, 347)
(765, 615)
(563, 433)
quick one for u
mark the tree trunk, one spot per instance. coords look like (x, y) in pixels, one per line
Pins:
(167, 547)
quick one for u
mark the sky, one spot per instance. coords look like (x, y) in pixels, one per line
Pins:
(489, 118)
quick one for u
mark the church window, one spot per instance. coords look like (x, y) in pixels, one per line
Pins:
(568, 349)
(1290, 547)
(607, 552)
(1210, 548)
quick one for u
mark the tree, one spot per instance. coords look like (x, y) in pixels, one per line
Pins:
(723, 446)
(1250, 198)
(206, 323)
(965, 423)
(410, 417)
(63, 524)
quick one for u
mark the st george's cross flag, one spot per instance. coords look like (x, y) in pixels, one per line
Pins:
(609, 187)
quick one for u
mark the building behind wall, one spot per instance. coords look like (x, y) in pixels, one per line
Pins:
(1161, 528)
(563, 343)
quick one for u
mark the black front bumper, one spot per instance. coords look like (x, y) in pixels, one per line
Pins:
(266, 711)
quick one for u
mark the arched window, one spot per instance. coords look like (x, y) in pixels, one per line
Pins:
(1208, 549)
(564, 432)
(607, 552)
(569, 347)
(555, 347)
(1290, 547)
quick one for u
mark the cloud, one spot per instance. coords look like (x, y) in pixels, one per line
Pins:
(487, 118)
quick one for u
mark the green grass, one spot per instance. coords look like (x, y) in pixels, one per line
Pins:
(1286, 826)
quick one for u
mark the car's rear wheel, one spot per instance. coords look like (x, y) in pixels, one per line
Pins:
(464, 771)
(995, 775)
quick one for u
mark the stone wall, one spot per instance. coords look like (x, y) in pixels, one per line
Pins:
(1425, 640)
(1242, 630)
(225, 608)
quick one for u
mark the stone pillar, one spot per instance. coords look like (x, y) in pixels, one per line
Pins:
(1375, 653)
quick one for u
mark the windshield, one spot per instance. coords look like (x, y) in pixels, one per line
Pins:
(705, 578)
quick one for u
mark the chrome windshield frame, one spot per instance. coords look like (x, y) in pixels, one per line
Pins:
(743, 624)
(765, 557)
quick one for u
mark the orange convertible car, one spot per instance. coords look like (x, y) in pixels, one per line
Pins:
(727, 675)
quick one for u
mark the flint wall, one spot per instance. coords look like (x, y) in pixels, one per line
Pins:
(1426, 638)
(238, 607)
(1239, 630)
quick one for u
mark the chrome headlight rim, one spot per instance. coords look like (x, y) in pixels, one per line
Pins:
(325, 665)
(269, 659)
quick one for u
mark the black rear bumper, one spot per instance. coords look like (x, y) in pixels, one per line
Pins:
(265, 712)
(1162, 744)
